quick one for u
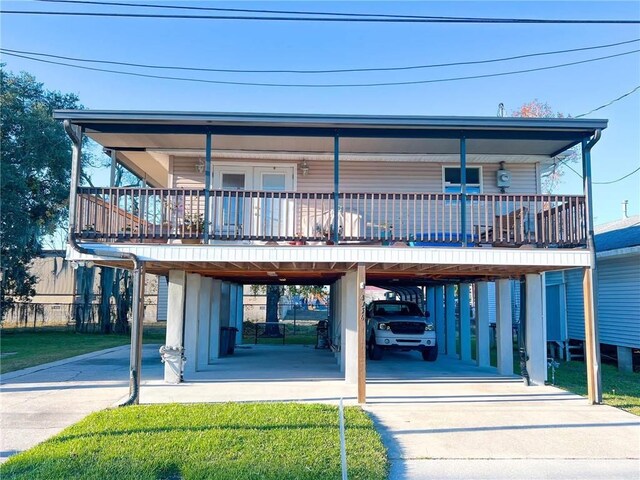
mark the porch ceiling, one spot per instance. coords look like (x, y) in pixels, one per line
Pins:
(185, 144)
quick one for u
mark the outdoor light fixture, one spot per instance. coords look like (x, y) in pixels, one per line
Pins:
(80, 263)
(304, 167)
(200, 165)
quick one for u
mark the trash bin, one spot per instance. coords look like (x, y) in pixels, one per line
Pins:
(322, 334)
(225, 334)
(227, 340)
(232, 340)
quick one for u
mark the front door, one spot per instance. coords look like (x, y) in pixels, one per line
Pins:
(267, 214)
(231, 209)
(274, 212)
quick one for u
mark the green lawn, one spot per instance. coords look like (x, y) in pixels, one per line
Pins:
(298, 335)
(619, 389)
(22, 348)
(232, 441)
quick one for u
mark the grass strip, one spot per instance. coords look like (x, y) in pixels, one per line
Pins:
(619, 389)
(207, 441)
(23, 348)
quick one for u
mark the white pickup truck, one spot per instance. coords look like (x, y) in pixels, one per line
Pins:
(399, 325)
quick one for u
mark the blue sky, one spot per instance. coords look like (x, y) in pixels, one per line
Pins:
(233, 44)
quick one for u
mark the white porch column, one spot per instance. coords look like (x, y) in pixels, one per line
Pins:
(465, 322)
(450, 319)
(536, 330)
(439, 319)
(191, 317)
(239, 313)
(482, 325)
(204, 323)
(175, 322)
(504, 327)
(214, 325)
(350, 320)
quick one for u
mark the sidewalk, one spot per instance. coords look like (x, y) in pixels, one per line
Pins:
(40, 401)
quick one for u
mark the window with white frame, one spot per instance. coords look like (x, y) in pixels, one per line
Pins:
(451, 179)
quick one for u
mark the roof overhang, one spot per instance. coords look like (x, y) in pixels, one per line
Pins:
(486, 135)
(143, 141)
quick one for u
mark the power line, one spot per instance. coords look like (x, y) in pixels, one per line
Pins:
(604, 183)
(609, 103)
(320, 85)
(324, 19)
(619, 179)
(247, 10)
(317, 71)
(294, 12)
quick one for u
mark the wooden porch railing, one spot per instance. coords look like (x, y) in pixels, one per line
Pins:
(420, 219)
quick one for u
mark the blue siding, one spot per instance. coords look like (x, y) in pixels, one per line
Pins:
(618, 293)
(575, 304)
(619, 300)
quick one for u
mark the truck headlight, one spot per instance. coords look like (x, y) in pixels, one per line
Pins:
(430, 327)
(384, 326)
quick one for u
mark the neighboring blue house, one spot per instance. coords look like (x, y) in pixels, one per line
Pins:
(618, 289)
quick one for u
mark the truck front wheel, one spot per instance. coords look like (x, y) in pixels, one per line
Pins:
(430, 354)
(375, 351)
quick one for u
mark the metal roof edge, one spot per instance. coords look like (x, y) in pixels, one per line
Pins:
(328, 120)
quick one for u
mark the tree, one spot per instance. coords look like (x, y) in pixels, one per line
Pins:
(35, 173)
(538, 109)
(273, 294)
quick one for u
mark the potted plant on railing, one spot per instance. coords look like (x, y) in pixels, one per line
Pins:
(88, 231)
(127, 232)
(299, 240)
(193, 229)
(386, 233)
(327, 232)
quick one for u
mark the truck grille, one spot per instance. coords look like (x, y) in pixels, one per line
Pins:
(407, 327)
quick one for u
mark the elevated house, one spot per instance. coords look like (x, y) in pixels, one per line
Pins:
(346, 201)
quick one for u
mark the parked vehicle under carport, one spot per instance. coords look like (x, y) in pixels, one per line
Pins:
(399, 325)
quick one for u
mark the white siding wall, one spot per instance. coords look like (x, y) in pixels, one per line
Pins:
(379, 176)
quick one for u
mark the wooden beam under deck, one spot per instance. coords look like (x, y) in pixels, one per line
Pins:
(318, 272)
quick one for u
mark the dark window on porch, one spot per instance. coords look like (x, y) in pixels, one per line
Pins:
(452, 179)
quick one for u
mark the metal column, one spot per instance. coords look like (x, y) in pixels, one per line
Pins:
(336, 188)
(207, 187)
(463, 190)
(592, 340)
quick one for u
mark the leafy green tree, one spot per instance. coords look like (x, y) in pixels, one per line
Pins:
(35, 172)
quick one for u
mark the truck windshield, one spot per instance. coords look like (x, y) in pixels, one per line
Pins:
(397, 309)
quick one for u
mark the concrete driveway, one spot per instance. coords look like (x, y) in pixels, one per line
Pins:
(449, 420)
(439, 420)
